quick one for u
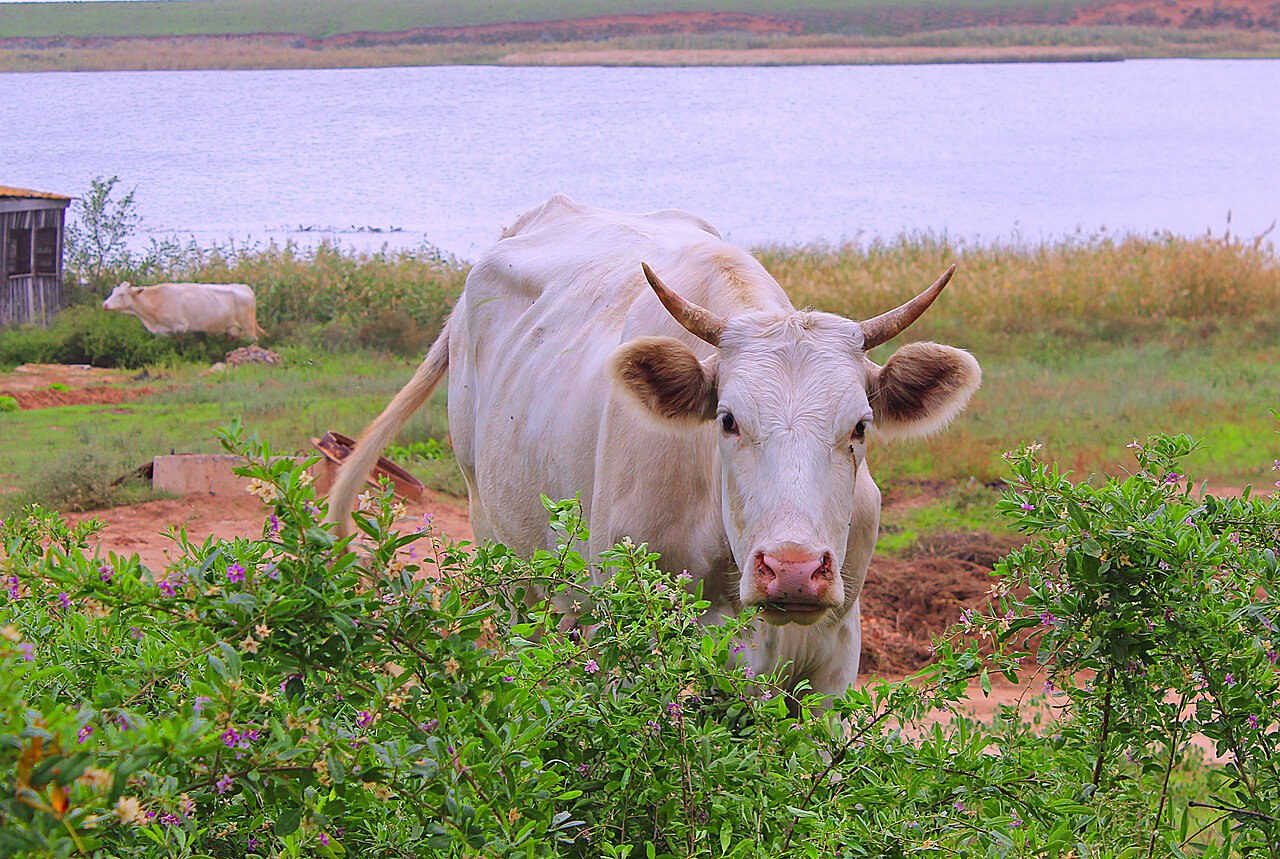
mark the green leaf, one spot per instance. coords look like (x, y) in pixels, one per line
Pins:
(287, 822)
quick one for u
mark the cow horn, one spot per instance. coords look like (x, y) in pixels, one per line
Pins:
(698, 321)
(887, 326)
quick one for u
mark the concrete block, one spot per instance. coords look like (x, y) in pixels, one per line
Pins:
(185, 473)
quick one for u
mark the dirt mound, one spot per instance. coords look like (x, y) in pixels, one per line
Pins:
(905, 602)
(253, 355)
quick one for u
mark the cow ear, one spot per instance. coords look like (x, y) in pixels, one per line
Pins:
(663, 375)
(920, 389)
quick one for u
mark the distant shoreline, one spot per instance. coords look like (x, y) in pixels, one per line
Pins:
(243, 53)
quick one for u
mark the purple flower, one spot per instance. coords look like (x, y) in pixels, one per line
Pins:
(1048, 619)
(197, 706)
(166, 588)
(1172, 477)
(235, 573)
(223, 784)
(1026, 505)
(583, 769)
(507, 678)
(1253, 721)
(274, 526)
(13, 587)
(364, 718)
(430, 725)
(739, 648)
(324, 839)
(1016, 822)
(84, 733)
(591, 667)
(958, 806)
(105, 572)
(1273, 657)
(1048, 687)
(28, 651)
(230, 737)
(253, 843)
(64, 599)
(1229, 680)
(674, 710)
(123, 721)
(169, 819)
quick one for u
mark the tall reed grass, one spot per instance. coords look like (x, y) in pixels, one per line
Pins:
(1094, 287)
(1097, 288)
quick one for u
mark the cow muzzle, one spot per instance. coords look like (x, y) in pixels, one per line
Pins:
(793, 584)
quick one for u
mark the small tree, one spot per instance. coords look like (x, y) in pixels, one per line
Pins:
(97, 238)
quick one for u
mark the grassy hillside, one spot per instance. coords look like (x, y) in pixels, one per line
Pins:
(329, 17)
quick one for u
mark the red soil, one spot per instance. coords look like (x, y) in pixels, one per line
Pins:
(1184, 14)
(31, 386)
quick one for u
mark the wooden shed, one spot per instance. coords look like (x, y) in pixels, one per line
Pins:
(31, 224)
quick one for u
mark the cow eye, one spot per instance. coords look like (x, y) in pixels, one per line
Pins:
(860, 431)
(728, 424)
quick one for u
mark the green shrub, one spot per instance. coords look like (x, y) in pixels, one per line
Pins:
(8, 404)
(85, 334)
(89, 479)
(299, 695)
(28, 344)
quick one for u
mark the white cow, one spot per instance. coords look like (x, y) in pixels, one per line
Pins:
(720, 425)
(176, 308)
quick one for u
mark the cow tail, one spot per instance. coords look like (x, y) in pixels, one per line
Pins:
(380, 433)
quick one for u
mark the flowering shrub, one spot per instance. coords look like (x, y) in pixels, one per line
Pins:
(301, 695)
(1152, 609)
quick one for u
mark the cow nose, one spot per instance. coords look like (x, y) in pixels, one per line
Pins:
(787, 574)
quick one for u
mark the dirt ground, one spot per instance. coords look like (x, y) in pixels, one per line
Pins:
(38, 386)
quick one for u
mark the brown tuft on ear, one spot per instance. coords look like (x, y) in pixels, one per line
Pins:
(664, 376)
(921, 388)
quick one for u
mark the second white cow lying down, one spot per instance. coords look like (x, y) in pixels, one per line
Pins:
(711, 419)
(176, 308)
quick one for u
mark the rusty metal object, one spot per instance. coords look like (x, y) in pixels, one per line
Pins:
(336, 447)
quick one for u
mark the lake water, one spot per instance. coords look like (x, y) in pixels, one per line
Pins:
(795, 154)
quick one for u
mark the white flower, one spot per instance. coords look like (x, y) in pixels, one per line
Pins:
(129, 810)
(264, 489)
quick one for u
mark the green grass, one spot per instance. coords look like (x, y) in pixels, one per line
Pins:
(328, 17)
(67, 457)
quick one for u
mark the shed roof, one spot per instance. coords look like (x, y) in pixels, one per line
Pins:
(23, 193)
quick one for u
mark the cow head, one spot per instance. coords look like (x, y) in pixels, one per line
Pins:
(794, 400)
(121, 298)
